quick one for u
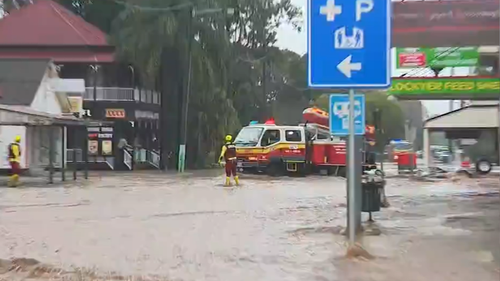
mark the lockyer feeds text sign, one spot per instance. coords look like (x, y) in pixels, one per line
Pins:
(443, 88)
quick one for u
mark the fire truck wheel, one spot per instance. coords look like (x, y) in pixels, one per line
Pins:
(483, 167)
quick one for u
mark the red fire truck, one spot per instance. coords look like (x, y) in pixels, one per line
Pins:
(302, 149)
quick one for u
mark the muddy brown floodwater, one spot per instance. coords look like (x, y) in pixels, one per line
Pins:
(166, 227)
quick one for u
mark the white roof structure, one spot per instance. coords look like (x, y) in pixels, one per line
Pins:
(474, 116)
(16, 115)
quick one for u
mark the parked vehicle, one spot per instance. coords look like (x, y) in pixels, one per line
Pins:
(397, 147)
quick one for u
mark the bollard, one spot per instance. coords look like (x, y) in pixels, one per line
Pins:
(74, 164)
(51, 155)
(63, 154)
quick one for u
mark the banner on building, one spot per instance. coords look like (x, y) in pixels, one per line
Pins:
(93, 147)
(437, 57)
(445, 23)
(107, 147)
(117, 113)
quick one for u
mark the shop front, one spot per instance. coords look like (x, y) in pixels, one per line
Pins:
(126, 130)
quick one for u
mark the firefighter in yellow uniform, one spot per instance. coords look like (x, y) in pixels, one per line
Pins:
(228, 156)
(15, 161)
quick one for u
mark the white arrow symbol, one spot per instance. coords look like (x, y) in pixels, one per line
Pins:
(346, 66)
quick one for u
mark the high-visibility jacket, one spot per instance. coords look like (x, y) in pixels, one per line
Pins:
(15, 152)
(228, 152)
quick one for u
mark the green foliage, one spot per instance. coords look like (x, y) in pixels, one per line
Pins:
(100, 13)
(237, 75)
(392, 118)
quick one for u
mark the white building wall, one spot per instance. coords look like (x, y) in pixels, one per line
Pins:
(34, 140)
(45, 101)
(7, 136)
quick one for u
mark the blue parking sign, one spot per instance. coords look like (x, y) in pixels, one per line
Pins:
(349, 43)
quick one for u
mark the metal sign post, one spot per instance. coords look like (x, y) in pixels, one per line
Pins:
(343, 117)
(349, 47)
(352, 173)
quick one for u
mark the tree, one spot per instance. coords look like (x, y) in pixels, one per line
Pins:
(100, 13)
(228, 62)
(229, 57)
(252, 30)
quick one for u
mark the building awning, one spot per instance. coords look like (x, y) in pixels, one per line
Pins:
(471, 117)
(11, 115)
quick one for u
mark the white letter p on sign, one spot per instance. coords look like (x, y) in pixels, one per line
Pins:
(363, 6)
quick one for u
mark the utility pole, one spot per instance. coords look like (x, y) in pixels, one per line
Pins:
(264, 112)
(264, 75)
(185, 99)
(187, 92)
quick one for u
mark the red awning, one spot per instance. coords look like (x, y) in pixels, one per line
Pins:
(61, 56)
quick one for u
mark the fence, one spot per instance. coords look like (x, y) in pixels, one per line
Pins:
(121, 94)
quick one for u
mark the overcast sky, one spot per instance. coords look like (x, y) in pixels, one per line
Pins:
(288, 38)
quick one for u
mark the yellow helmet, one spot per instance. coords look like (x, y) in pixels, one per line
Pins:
(229, 138)
(17, 139)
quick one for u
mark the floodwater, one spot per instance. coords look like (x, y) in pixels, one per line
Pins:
(187, 228)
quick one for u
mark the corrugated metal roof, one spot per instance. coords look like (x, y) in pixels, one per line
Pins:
(46, 23)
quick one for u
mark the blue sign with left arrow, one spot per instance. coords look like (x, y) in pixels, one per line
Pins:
(349, 43)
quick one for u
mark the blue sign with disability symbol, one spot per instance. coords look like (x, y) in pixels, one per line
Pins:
(349, 43)
(339, 114)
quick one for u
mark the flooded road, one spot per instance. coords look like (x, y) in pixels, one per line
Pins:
(168, 227)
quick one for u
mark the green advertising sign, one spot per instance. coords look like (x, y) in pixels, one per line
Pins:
(436, 57)
(435, 88)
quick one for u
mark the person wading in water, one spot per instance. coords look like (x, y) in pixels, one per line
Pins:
(228, 156)
(15, 161)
